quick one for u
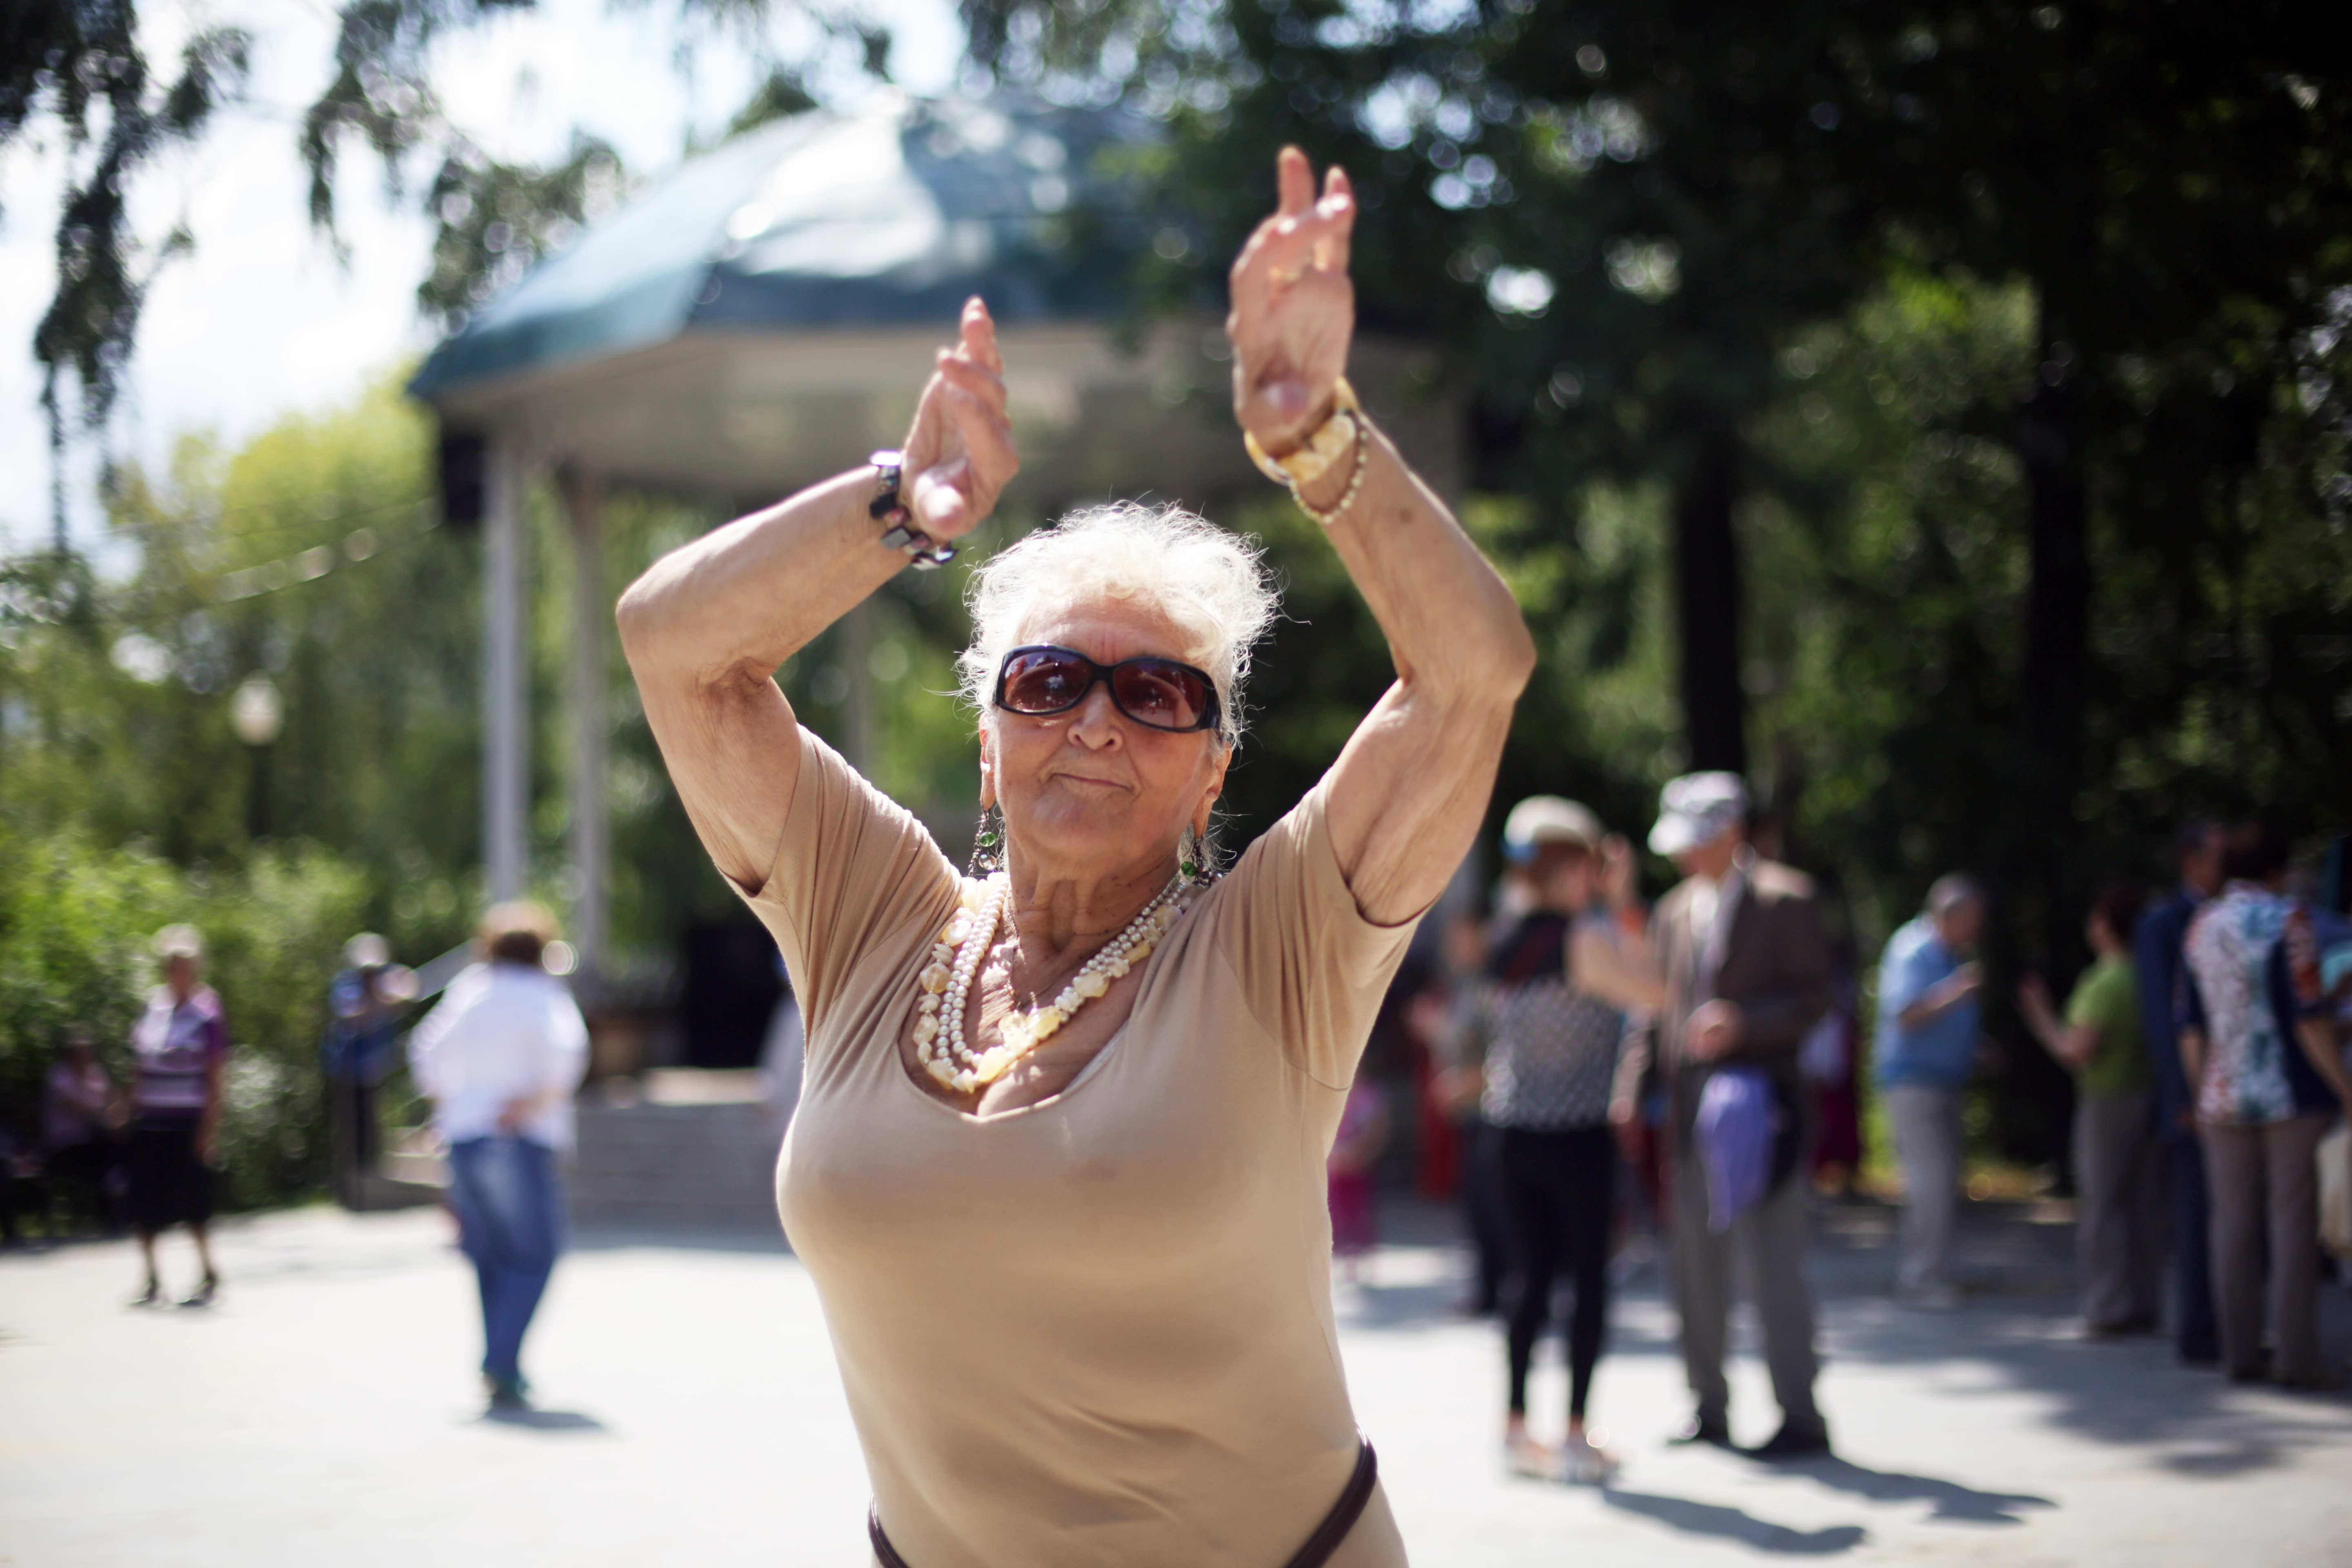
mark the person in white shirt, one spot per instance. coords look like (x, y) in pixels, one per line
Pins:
(499, 1058)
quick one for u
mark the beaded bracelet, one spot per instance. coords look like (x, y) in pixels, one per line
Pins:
(1347, 497)
(926, 552)
(1345, 428)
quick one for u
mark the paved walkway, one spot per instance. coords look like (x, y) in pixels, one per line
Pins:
(322, 1413)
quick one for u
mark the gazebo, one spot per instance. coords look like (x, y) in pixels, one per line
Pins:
(766, 315)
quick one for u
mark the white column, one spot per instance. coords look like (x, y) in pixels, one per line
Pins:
(592, 610)
(506, 697)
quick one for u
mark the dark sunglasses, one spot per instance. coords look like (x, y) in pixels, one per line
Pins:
(1158, 693)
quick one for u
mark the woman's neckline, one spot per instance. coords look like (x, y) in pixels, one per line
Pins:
(1084, 1076)
(1145, 980)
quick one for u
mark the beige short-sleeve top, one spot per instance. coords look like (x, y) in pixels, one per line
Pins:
(1095, 1330)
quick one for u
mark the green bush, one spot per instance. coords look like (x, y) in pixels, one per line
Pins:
(75, 921)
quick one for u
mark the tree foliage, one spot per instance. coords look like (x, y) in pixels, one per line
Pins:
(81, 64)
(75, 920)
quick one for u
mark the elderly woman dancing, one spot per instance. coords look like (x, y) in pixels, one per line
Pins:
(1057, 1170)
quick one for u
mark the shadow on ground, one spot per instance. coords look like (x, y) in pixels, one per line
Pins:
(1951, 1500)
(2017, 1332)
(1724, 1523)
(532, 1419)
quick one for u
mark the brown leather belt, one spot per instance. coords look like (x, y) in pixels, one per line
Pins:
(1314, 1554)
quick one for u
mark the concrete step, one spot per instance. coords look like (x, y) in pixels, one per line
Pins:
(690, 1166)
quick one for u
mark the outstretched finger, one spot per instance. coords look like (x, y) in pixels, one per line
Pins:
(980, 344)
(1293, 182)
(1337, 212)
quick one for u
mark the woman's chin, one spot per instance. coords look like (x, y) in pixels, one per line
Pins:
(1104, 838)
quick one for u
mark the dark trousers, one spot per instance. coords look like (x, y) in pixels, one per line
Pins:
(509, 1205)
(78, 1177)
(2196, 1333)
(1482, 1207)
(1558, 1195)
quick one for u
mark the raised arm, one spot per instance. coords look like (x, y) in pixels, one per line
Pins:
(1410, 788)
(2072, 1045)
(1613, 959)
(708, 624)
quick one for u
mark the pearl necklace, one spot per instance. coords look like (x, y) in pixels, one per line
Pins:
(946, 982)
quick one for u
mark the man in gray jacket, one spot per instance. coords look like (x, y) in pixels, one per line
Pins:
(1748, 970)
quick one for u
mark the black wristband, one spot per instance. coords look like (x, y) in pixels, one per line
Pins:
(887, 507)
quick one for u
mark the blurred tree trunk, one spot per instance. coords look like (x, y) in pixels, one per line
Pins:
(1706, 595)
(2046, 874)
(2058, 590)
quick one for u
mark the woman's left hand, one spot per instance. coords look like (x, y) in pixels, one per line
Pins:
(1293, 307)
(961, 453)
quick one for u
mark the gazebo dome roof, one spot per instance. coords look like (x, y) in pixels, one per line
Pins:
(890, 215)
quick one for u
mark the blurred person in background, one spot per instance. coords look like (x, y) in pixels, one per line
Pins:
(182, 1045)
(79, 1153)
(2115, 1156)
(1457, 1091)
(20, 1184)
(1830, 1060)
(499, 1058)
(1748, 970)
(1928, 1030)
(1541, 1028)
(2156, 962)
(1348, 1174)
(366, 1003)
(2258, 1046)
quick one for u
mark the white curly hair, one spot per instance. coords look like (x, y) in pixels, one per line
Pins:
(1211, 582)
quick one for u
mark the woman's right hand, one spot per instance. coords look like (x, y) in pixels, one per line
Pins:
(1294, 307)
(960, 455)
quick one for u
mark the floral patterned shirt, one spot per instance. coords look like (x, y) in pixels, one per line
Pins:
(2227, 965)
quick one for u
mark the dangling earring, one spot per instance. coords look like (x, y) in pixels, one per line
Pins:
(987, 846)
(1192, 853)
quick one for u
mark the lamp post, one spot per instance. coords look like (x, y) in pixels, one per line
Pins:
(257, 713)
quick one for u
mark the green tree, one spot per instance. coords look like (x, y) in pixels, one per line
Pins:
(82, 71)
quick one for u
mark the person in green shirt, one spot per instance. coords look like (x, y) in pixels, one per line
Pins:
(2116, 1169)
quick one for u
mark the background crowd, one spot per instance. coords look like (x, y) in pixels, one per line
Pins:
(1716, 1037)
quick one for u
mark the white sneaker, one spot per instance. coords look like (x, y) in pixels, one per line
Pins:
(1588, 1460)
(1523, 1455)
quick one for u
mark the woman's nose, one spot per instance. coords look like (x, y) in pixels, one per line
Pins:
(1096, 720)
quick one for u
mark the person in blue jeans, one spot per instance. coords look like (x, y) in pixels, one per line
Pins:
(2156, 964)
(499, 1058)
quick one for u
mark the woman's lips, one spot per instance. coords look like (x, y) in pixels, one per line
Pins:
(1089, 781)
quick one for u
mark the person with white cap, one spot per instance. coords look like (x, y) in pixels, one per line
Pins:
(1543, 1024)
(1748, 970)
